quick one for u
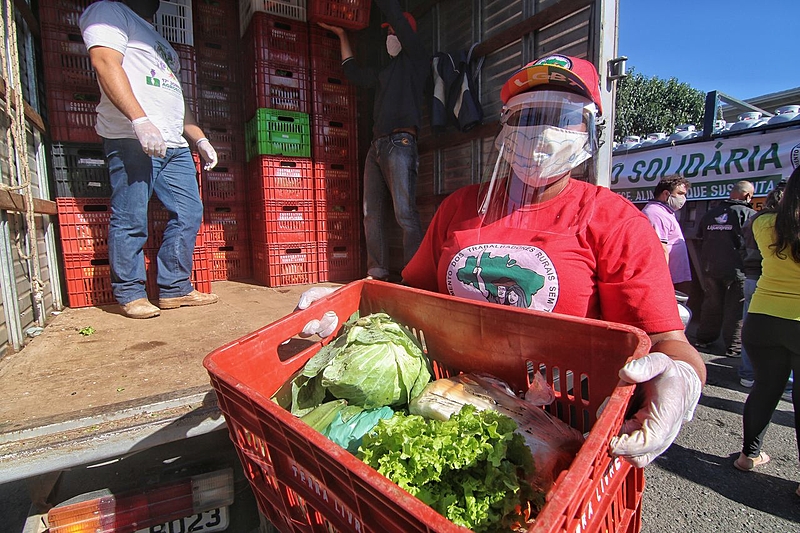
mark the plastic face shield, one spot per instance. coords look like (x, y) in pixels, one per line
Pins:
(545, 135)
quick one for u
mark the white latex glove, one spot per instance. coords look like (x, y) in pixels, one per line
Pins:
(671, 390)
(322, 327)
(150, 137)
(207, 152)
(329, 321)
(312, 295)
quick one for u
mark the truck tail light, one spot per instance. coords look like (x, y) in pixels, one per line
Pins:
(131, 511)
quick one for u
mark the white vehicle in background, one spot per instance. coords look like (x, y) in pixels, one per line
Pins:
(760, 147)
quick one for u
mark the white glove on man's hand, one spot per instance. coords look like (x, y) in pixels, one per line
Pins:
(312, 295)
(207, 152)
(329, 321)
(671, 390)
(150, 137)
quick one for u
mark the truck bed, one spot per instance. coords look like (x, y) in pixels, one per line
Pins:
(70, 398)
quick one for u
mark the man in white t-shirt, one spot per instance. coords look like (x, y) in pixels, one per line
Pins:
(145, 125)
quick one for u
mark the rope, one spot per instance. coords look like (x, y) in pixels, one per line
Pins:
(17, 143)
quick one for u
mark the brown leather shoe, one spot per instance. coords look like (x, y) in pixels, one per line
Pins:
(141, 308)
(193, 298)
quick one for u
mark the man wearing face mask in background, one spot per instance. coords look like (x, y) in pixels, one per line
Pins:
(145, 125)
(722, 263)
(669, 196)
(390, 170)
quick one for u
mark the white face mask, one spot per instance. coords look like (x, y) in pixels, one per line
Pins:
(541, 154)
(393, 45)
(676, 202)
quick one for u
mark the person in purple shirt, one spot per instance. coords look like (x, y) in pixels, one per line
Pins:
(668, 197)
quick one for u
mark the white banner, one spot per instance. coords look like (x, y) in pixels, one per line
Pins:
(712, 167)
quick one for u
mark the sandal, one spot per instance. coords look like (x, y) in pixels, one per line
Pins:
(746, 464)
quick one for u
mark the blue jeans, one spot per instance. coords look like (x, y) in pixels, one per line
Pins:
(135, 176)
(390, 175)
(746, 370)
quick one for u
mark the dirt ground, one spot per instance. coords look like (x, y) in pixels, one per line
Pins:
(62, 373)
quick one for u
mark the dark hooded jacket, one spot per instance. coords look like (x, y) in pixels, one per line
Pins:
(723, 247)
(399, 85)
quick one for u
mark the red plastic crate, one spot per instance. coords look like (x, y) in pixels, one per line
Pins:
(188, 74)
(63, 12)
(72, 113)
(226, 225)
(88, 280)
(280, 178)
(83, 223)
(219, 104)
(278, 265)
(215, 19)
(230, 262)
(282, 221)
(274, 86)
(225, 183)
(333, 138)
(339, 222)
(326, 55)
(228, 141)
(339, 261)
(305, 482)
(337, 181)
(66, 57)
(334, 97)
(277, 41)
(219, 59)
(201, 269)
(350, 14)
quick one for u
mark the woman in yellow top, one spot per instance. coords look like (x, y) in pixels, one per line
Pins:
(772, 326)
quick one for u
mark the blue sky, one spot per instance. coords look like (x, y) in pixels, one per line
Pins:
(743, 48)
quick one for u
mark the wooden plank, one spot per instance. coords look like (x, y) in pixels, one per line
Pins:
(536, 22)
(12, 201)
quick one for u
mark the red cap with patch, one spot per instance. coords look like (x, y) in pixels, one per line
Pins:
(409, 17)
(571, 73)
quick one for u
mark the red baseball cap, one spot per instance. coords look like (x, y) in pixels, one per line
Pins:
(409, 18)
(571, 73)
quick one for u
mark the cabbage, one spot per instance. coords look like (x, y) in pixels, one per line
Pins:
(377, 363)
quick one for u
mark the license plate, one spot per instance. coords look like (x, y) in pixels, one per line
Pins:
(207, 522)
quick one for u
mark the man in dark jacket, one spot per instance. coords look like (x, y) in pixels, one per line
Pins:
(721, 261)
(390, 171)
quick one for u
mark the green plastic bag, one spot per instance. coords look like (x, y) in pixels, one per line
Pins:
(348, 433)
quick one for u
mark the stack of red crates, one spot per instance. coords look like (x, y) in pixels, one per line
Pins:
(78, 161)
(335, 153)
(281, 189)
(220, 115)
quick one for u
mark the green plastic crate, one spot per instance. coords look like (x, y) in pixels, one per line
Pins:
(278, 132)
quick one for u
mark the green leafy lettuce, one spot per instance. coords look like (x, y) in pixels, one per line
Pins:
(470, 468)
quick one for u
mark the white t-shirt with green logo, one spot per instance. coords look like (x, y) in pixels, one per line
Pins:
(152, 66)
